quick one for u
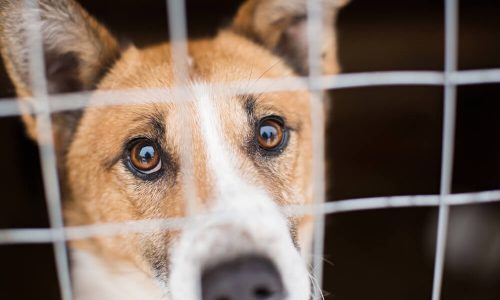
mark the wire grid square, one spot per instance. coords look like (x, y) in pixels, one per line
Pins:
(40, 105)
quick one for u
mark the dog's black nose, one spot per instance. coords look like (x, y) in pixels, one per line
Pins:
(245, 278)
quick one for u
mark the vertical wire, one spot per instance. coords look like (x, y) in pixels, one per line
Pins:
(178, 41)
(314, 34)
(180, 69)
(451, 49)
(46, 143)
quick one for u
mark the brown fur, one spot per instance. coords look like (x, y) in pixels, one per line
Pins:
(121, 196)
(78, 51)
(100, 188)
(281, 26)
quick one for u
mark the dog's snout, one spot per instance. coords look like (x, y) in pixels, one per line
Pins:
(245, 278)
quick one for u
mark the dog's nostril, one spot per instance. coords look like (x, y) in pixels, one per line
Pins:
(246, 278)
(262, 292)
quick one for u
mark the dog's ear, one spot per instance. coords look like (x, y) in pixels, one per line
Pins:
(281, 26)
(77, 49)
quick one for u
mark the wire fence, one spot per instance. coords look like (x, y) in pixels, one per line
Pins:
(43, 105)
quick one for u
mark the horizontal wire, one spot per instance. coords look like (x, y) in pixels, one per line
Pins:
(47, 235)
(79, 100)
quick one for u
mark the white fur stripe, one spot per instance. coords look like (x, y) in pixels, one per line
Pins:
(220, 159)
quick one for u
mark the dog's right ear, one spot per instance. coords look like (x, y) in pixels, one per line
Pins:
(77, 49)
(281, 26)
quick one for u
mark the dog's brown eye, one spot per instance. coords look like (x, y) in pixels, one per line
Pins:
(270, 134)
(144, 157)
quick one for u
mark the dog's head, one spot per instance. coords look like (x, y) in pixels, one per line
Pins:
(243, 156)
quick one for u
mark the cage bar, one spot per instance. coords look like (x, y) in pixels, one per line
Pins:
(50, 235)
(40, 105)
(178, 42)
(46, 144)
(79, 100)
(451, 49)
(314, 34)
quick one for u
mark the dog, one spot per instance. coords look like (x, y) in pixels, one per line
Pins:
(249, 154)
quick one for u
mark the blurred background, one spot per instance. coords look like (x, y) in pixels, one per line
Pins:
(382, 141)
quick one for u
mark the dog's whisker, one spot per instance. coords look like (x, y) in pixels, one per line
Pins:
(268, 69)
(329, 262)
(316, 286)
(267, 87)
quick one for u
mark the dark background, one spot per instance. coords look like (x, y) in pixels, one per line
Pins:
(381, 141)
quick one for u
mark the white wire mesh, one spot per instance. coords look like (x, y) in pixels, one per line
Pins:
(46, 144)
(40, 105)
(450, 65)
(314, 36)
(74, 101)
(178, 39)
(50, 235)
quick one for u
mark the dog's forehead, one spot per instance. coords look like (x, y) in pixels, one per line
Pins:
(226, 58)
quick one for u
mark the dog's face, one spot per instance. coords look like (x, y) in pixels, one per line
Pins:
(249, 154)
(236, 158)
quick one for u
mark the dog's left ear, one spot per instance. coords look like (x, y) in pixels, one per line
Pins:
(77, 49)
(77, 52)
(281, 26)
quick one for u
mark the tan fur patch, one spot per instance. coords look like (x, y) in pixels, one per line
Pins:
(102, 188)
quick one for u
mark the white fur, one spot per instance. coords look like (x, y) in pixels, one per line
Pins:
(247, 220)
(96, 279)
(243, 219)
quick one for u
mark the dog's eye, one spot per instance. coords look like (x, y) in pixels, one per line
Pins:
(271, 134)
(144, 156)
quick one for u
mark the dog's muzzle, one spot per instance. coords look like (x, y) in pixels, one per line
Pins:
(244, 278)
(242, 250)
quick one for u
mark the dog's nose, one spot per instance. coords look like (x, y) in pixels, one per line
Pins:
(245, 278)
